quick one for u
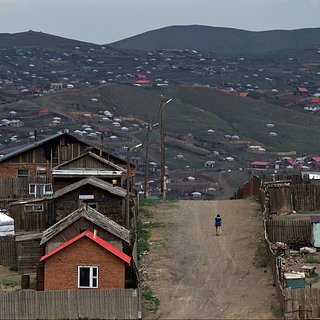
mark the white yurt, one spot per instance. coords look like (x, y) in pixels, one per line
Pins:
(6, 225)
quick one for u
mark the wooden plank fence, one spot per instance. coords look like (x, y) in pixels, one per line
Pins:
(71, 304)
(302, 303)
(8, 251)
(280, 200)
(292, 232)
(306, 197)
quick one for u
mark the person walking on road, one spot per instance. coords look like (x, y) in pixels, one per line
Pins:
(218, 223)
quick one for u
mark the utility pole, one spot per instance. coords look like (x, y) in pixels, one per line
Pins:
(162, 148)
(146, 166)
(162, 151)
(127, 217)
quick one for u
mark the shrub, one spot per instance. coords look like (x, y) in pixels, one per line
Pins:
(261, 256)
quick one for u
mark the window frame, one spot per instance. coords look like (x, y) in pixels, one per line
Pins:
(91, 277)
(33, 207)
(22, 173)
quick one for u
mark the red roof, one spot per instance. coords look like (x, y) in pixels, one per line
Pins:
(292, 162)
(243, 94)
(260, 163)
(315, 100)
(316, 159)
(302, 89)
(44, 111)
(97, 240)
(141, 76)
(142, 82)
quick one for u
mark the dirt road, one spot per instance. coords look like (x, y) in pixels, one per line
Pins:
(198, 275)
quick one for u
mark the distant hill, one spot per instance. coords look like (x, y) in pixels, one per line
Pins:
(36, 39)
(221, 40)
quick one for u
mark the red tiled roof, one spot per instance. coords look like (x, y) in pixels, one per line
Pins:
(315, 100)
(302, 89)
(316, 159)
(260, 163)
(97, 240)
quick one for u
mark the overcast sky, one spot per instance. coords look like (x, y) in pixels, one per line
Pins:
(106, 21)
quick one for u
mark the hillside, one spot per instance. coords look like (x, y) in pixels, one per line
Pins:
(221, 40)
(37, 39)
(193, 110)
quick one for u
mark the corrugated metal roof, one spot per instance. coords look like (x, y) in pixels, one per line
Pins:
(97, 240)
(94, 182)
(92, 215)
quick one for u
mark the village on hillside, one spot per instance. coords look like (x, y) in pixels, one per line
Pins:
(73, 173)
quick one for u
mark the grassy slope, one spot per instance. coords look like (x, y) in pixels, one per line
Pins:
(196, 110)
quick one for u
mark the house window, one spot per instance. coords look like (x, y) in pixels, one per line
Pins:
(32, 189)
(87, 277)
(22, 173)
(33, 207)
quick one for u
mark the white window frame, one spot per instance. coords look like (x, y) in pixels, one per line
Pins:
(91, 277)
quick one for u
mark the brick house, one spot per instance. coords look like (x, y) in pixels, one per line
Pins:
(85, 262)
(86, 218)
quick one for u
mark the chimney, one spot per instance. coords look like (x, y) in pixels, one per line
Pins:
(94, 233)
(35, 135)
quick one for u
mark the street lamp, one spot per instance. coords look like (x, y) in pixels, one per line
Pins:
(127, 220)
(162, 148)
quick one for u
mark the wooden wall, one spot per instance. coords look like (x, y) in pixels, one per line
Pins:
(292, 232)
(29, 252)
(306, 197)
(8, 251)
(280, 200)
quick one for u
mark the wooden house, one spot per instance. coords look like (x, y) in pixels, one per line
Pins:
(86, 165)
(26, 172)
(86, 261)
(39, 214)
